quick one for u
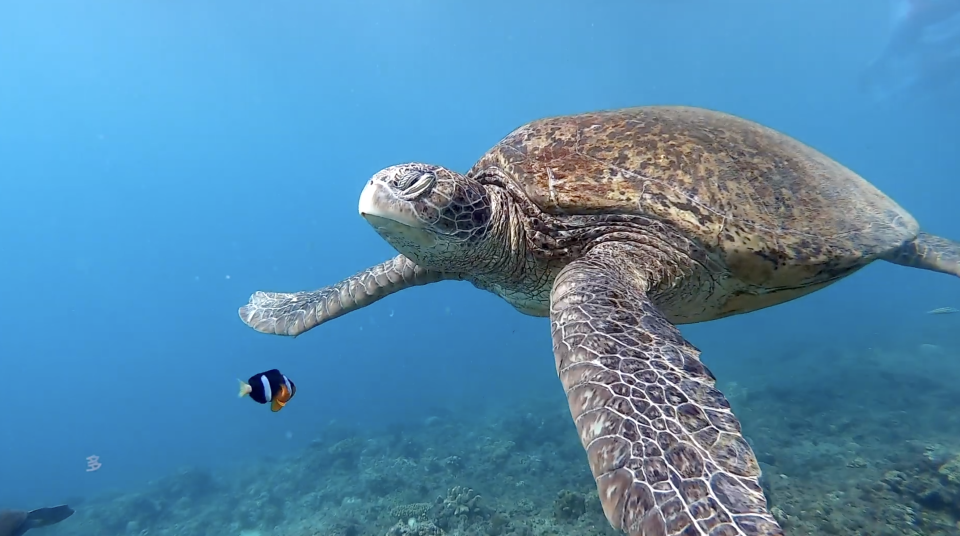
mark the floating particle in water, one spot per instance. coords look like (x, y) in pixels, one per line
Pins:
(943, 311)
(289, 434)
(227, 276)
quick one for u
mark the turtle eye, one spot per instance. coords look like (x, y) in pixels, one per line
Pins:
(413, 185)
(407, 178)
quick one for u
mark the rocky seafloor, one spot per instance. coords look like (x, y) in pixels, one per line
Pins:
(866, 445)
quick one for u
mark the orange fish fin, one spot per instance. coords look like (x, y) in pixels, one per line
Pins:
(281, 399)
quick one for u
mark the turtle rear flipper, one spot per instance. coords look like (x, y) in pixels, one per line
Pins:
(43, 517)
(929, 252)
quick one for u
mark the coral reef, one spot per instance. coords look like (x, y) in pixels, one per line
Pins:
(871, 447)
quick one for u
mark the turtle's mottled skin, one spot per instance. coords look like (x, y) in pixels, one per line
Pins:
(619, 225)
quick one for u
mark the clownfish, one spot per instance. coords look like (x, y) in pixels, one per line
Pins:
(270, 386)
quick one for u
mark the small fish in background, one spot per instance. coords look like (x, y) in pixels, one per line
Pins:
(943, 311)
(270, 386)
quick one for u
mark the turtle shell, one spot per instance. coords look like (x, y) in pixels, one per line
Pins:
(760, 199)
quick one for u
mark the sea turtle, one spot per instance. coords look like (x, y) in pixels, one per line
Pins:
(18, 522)
(620, 225)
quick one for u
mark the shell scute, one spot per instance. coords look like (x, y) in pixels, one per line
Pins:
(760, 196)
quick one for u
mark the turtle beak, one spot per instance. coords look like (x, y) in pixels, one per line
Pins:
(373, 198)
(390, 215)
(378, 202)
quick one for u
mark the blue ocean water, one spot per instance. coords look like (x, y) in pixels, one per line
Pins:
(161, 161)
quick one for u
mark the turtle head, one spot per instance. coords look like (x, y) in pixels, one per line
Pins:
(434, 216)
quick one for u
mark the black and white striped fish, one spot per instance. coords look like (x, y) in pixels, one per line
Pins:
(269, 387)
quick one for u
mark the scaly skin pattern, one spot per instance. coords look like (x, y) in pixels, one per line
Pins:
(292, 313)
(619, 225)
(664, 447)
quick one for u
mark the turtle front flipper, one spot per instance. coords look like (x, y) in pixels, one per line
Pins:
(293, 313)
(663, 445)
(929, 252)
